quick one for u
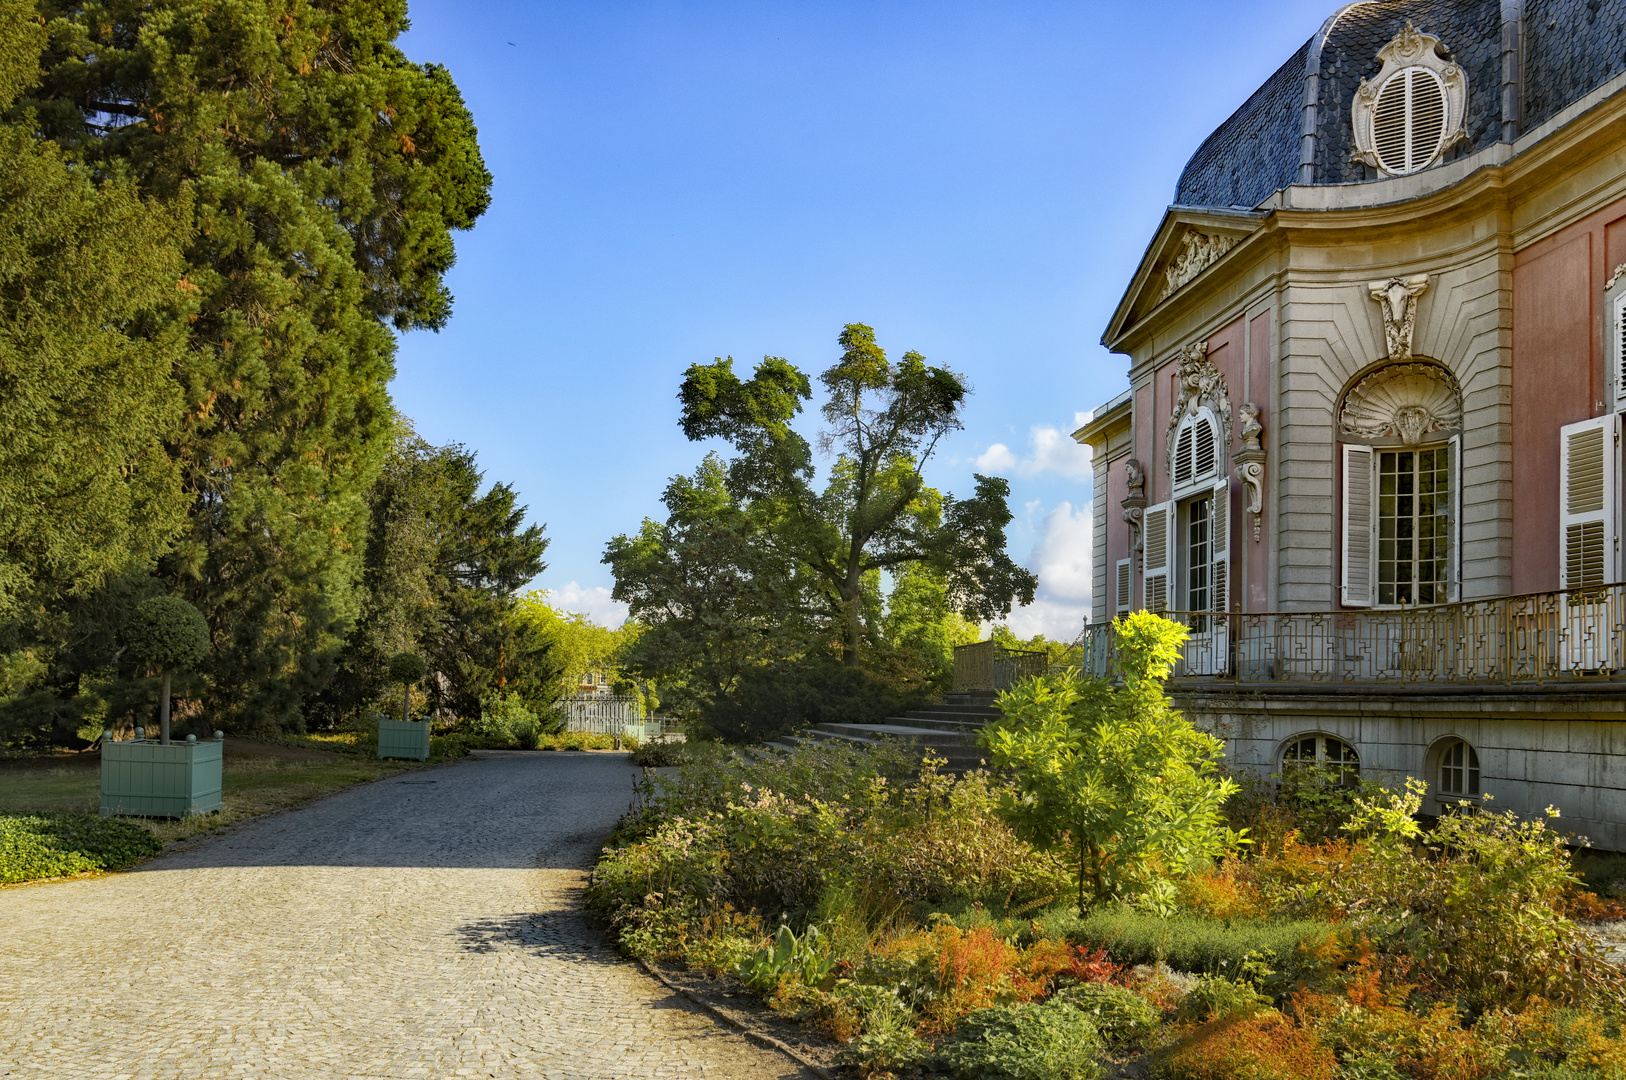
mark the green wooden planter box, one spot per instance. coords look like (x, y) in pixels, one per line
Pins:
(144, 778)
(403, 739)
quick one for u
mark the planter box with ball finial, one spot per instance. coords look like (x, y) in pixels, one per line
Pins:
(145, 778)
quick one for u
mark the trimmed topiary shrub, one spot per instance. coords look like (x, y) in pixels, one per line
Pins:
(171, 635)
(407, 668)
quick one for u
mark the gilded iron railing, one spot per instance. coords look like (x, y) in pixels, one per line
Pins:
(1572, 635)
(987, 665)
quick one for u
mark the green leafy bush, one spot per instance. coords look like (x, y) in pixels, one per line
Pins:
(407, 667)
(1053, 1041)
(885, 1050)
(659, 755)
(502, 721)
(1215, 998)
(1114, 777)
(36, 846)
(1120, 1015)
(793, 695)
(788, 957)
(1475, 905)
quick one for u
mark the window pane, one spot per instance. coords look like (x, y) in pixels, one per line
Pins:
(1413, 526)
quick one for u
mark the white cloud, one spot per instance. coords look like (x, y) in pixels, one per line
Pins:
(1049, 450)
(1062, 559)
(594, 602)
(997, 459)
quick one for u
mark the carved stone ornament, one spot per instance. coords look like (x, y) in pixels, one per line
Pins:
(1620, 271)
(1397, 298)
(1197, 252)
(1414, 58)
(1404, 401)
(1250, 462)
(1134, 504)
(1201, 383)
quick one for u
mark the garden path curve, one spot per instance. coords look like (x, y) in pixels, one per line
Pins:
(426, 925)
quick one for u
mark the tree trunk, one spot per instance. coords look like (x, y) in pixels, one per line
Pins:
(852, 637)
(163, 714)
(406, 702)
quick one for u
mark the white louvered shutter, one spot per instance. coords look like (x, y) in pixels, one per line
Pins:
(1159, 561)
(1202, 454)
(1587, 500)
(1358, 528)
(1454, 530)
(1220, 579)
(1182, 457)
(1126, 584)
(1617, 343)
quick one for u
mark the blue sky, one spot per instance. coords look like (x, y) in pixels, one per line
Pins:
(678, 181)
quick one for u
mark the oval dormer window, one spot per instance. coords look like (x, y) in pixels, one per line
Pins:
(1412, 112)
(1408, 122)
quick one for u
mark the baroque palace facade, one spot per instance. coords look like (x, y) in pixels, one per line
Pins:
(1371, 448)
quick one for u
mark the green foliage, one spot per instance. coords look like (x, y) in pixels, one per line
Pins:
(576, 644)
(884, 1051)
(503, 723)
(407, 668)
(1053, 1041)
(313, 213)
(1475, 903)
(442, 563)
(802, 958)
(168, 633)
(1117, 778)
(1120, 1015)
(714, 596)
(796, 694)
(921, 630)
(56, 845)
(1217, 998)
(1059, 653)
(884, 422)
(1189, 942)
(659, 754)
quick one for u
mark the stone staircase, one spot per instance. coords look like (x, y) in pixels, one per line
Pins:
(948, 730)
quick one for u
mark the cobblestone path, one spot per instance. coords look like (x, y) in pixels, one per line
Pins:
(422, 926)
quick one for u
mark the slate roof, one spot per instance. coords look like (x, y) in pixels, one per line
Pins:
(1570, 47)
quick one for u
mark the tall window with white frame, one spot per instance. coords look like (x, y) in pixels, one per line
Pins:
(1414, 525)
(1199, 555)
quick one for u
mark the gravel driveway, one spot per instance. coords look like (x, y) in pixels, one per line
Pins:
(423, 926)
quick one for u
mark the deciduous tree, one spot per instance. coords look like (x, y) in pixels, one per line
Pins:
(884, 422)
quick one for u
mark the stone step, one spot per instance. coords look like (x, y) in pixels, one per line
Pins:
(889, 730)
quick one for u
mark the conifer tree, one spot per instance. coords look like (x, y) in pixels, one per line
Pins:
(322, 173)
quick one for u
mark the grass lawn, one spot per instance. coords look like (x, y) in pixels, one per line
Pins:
(257, 779)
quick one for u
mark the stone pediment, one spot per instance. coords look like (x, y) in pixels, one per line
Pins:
(1187, 244)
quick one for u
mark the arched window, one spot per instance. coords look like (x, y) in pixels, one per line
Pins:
(1196, 452)
(1459, 769)
(1328, 752)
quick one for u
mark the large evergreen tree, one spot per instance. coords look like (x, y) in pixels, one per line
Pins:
(441, 568)
(91, 333)
(322, 174)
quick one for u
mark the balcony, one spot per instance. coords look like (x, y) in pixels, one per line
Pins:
(1554, 639)
(988, 665)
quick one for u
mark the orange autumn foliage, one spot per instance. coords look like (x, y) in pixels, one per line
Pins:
(1263, 1046)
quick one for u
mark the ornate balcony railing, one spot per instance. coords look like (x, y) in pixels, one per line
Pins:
(987, 665)
(1570, 636)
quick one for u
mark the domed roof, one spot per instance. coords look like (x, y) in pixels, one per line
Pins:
(1297, 129)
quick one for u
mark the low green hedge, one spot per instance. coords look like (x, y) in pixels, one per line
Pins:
(1186, 942)
(34, 846)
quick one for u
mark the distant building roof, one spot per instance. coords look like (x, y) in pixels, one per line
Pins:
(1569, 48)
